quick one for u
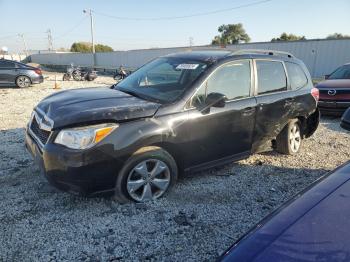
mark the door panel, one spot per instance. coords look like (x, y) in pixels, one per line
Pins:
(274, 102)
(222, 132)
(272, 114)
(8, 72)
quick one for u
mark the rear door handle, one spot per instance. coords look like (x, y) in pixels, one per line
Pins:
(248, 111)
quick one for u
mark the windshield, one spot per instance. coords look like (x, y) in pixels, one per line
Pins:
(342, 72)
(162, 80)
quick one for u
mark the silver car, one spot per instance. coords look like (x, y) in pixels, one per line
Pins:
(14, 73)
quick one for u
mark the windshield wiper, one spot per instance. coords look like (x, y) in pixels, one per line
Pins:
(141, 96)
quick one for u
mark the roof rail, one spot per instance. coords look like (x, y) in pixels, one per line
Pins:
(261, 51)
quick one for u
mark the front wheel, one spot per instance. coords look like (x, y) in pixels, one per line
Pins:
(147, 175)
(66, 77)
(23, 81)
(289, 140)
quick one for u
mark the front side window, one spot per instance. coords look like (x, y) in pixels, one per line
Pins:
(232, 80)
(271, 77)
(342, 72)
(296, 75)
(163, 80)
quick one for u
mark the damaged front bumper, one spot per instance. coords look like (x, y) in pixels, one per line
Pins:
(86, 173)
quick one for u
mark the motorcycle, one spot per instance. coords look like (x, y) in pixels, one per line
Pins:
(121, 73)
(79, 74)
(82, 74)
(69, 74)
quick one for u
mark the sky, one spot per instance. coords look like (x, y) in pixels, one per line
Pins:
(263, 20)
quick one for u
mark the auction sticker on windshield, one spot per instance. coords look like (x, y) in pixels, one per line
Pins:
(187, 66)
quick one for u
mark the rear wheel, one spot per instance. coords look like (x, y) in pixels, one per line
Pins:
(76, 75)
(23, 81)
(147, 175)
(289, 140)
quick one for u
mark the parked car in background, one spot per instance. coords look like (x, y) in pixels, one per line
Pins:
(335, 91)
(345, 120)
(313, 226)
(181, 112)
(14, 73)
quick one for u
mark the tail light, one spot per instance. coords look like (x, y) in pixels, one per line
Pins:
(315, 93)
(38, 71)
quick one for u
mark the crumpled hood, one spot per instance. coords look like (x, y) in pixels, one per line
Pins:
(334, 83)
(76, 106)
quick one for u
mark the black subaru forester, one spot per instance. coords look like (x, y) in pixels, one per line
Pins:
(178, 113)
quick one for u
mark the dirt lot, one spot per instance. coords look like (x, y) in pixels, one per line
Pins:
(196, 221)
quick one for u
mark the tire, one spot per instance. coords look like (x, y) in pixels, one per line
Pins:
(76, 75)
(289, 141)
(135, 181)
(66, 77)
(23, 81)
(118, 77)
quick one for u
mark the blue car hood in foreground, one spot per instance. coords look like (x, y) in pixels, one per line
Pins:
(314, 226)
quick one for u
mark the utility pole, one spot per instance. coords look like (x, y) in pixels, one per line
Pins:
(24, 43)
(191, 41)
(89, 11)
(49, 38)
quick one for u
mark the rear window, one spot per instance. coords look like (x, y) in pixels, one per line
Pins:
(296, 75)
(271, 77)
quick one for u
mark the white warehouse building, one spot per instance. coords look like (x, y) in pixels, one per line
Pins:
(321, 56)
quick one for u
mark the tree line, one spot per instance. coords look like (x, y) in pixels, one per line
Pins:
(235, 34)
(85, 47)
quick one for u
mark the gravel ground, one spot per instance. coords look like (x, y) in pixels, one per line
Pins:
(202, 215)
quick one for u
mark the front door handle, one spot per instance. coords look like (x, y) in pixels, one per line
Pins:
(248, 111)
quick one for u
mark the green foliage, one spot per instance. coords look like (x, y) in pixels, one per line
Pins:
(103, 48)
(81, 47)
(231, 34)
(84, 47)
(288, 37)
(338, 36)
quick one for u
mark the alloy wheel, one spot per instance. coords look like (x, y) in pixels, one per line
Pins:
(295, 138)
(148, 180)
(23, 81)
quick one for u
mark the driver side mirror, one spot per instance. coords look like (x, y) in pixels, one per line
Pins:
(326, 77)
(215, 100)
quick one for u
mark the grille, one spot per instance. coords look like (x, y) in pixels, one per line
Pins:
(39, 133)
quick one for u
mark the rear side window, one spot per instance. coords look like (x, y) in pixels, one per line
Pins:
(296, 75)
(271, 77)
(6, 64)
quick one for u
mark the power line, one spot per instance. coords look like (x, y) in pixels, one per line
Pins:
(71, 29)
(184, 16)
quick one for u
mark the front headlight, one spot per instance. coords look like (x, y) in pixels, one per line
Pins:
(84, 137)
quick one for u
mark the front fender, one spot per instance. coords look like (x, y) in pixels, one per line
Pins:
(131, 136)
